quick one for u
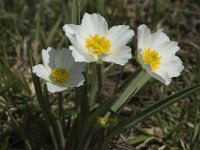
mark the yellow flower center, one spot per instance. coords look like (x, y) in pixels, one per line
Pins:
(59, 75)
(98, 45)
(152, 58)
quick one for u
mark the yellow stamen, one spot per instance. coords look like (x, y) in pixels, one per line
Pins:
(59, 75)
(98, 45)
(152, 58)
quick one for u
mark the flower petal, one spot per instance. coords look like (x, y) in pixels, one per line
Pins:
(167, 49)
(80, 56)
(119, 56)
(170, 65)
(71, 29)
(73, 32)
(173, 66)
(143, 37)
(77, 68)
(93, 24)
(147, 67)
(55, 88)
(162, 76)
(41, 72)
(75, 80)
(64, 59)
(119, 35)
(48, 57)
(78, 35)
(158, 38)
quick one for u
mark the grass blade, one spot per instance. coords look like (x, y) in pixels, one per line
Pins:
(164, 103)
(53, 31)
(89, 125)
(5, 89)
(135, 85)
(78, 126)
(75, 13)
(4, 143)
(61, 110)
(196, 134)
(51, 120)
(137, 139)
(20, 131)
(101, 6)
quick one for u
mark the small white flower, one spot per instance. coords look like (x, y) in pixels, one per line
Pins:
(156, 53)
(59, 70)
(93, 41)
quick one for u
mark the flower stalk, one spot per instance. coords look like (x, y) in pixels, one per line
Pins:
(61, 110)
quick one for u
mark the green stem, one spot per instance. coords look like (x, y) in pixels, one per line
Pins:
(61, 109)
(118, 81)
(53, 138)
(93, 83)
(99, 76)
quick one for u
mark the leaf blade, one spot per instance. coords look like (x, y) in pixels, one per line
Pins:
(164, 103)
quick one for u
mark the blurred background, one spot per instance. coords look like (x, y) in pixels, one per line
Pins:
(32, 25)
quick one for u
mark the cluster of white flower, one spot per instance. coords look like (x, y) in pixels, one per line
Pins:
(92, 41)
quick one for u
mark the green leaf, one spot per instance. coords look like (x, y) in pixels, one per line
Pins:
(72, 138)
(5, 89)
(75, 13)
(78, 126)
(53, 31)
(21, 132)
(65, 10)
(135, 85)
(4, 144)
(196, 133)
(137, 139)
(81, 97)
(160, 105)
(89, 124)
(101, 6)
(24, 85)
(51, 121)
(38, 22)
(128, 80)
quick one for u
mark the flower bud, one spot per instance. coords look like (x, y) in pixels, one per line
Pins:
(101, 122)
(113, 120)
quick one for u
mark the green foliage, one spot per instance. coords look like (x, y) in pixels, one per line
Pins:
(4, 144)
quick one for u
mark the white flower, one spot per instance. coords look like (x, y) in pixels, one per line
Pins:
(156, 53)
(59, 70)
(92, 41)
